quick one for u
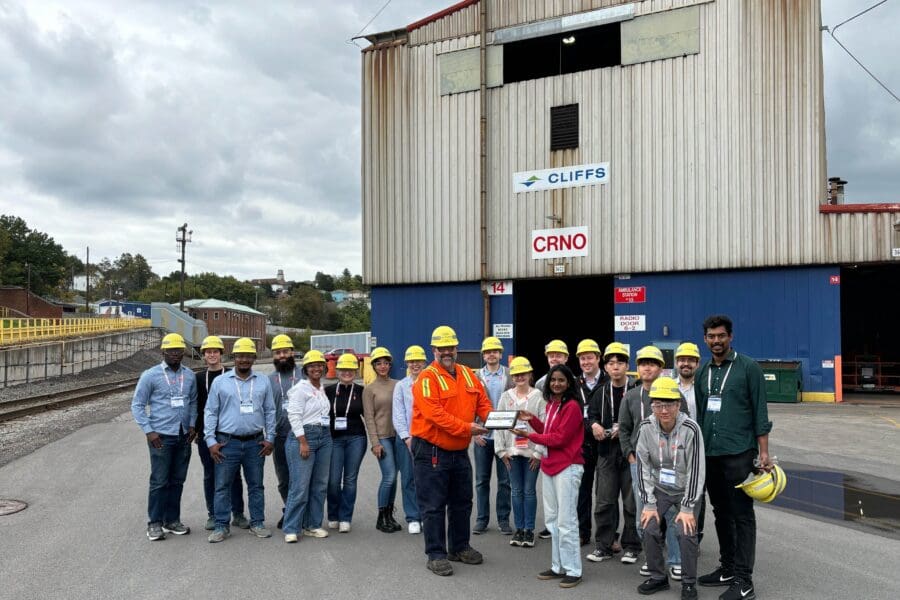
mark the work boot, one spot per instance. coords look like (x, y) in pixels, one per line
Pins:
(468, 555)
(389, 522)
(381, 524)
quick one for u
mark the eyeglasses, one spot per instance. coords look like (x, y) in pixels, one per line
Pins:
(663, 406)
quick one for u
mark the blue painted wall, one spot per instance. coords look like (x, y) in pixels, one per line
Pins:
(789, 314)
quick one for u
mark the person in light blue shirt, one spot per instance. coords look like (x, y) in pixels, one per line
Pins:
(285, 376)
(496, 380)
(165, 408)
(240, 431)
(402, 416)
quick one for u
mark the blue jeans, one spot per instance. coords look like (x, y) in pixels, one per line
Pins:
(444, 492)
(347, 453)
(240, 454)
(560, 493)
(209, 484)
(387, 489)
(403, 457)
(523, 482)
(168, 470)
(673, 550)
(484, 461)
(309, 479)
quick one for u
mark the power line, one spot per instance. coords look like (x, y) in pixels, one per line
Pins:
(851, 55)
(380, 10)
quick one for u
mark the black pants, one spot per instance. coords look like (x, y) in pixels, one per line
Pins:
(614, 480)
(733, 510)
(586, 492)
(444, 493)
(281, 467)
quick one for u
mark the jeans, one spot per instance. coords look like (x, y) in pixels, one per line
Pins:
(309, 479)
(586, 493)
(674, 553)
(484, 461)
(238, 454)
(387, 489)
(404, 459)
(653, 537)
(444, 492)
(347, 452)
(733, 510)
(281, 466)
(560, 493)
(613, 478)
(523, 486)
(209, 484)
(168, 470)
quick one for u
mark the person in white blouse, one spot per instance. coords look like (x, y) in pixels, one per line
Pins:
(308, 452)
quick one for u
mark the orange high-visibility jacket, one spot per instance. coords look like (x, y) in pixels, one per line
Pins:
(444, 406)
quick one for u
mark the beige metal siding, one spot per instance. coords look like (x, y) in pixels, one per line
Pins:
(458, 24)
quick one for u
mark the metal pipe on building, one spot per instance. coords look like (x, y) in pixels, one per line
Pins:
(482, 165)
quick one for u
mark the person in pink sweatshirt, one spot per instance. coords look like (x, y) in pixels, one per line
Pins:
(561, 472)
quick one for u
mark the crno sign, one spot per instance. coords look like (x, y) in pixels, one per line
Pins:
(562, 242)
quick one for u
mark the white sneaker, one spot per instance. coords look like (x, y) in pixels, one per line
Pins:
(317, 532)
(675, 572)
(332, 524)
(290, 538)
(344, 527)
(415, 527)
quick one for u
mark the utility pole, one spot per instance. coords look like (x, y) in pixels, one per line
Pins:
(28, 291)
(87, 281)
(182, 236)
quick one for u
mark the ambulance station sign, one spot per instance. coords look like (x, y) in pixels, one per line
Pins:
(631, 295)
(561, 177)
(561, 242)
(631, 322)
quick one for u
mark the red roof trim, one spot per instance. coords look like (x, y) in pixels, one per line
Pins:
(885, 207)
(440, 14)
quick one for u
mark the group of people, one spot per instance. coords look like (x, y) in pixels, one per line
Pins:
(655, 444)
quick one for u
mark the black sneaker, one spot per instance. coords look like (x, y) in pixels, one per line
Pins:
(739, 590)
(569, 581)
(688, 592)
(155, 532)
(479, 528)
(550, 574)
(505, 529)
(718, 577)
(440, 566)
(630, 557)
(599, 555)
(528, 539)
(544, 534)
(651, 586)
(518, 538)
(469, 556)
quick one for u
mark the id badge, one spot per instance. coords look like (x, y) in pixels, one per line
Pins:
(177, 401)
(667, 476)
(585, 410)
(325, 421)
(714, 404)
(521, 442)
(340, 423)
(246, 409)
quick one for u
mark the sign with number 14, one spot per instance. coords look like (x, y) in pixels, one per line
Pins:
(500, 288)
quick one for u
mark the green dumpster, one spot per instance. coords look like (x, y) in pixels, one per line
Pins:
(783, 380)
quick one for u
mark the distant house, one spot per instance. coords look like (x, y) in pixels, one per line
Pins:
(124, 308)
(229, 320)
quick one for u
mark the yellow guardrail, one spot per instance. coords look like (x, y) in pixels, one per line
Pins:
(17, 331)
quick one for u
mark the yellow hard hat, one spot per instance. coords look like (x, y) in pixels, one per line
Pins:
(651, 353)
(764, 487)
(665, 388)
(243, 345)
(556, 346)
(415, 353)
(172, 341)
(347, 361)
(212, 341)
(444, 337)
(587, 345)
(313, 356)
(282, 341)
(616, 348)
(380, 352)
(520, 365)
(688, 349)
(491, 343)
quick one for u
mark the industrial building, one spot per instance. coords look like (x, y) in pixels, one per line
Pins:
(620, 170)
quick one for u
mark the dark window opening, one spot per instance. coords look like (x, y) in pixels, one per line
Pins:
(564, 127)
(561, 53)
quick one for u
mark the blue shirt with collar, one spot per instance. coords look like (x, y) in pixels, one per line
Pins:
(223, 407)
(152, 402)
(281, 383)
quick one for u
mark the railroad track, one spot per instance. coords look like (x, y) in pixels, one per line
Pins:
(13, 409)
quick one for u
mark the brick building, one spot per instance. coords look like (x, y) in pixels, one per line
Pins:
(20, 302)
(229, 320)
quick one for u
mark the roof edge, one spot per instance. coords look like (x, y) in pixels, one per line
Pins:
(881, 207)
(440, 14)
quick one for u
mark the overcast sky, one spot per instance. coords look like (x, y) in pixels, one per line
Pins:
(121, 120)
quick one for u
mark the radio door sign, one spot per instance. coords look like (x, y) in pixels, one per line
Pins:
(631, 295)
(631, 323)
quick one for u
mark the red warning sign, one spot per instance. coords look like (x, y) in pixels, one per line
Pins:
(630, 295)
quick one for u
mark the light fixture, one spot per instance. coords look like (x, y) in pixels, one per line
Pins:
(568, 41)
(665, 331)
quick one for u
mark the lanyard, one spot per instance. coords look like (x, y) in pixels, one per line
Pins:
(337, 391)
(177, 378)
(724, 379)
(642, 402)
(662, 444)
(550, 417)
(237, 386)
(207, 379)
(281, 385)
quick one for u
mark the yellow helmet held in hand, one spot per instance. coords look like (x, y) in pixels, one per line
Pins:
(313, 356)
(212, 341)
(172, 341)
(444, 337)
(380, 352)
(665, 388)
(556, 346)
(520, 365)
(587, 345)
(688, 349)
(347, 361)
(415, 353)
(491, 343)
(616, 348)
(244, 345)
(282, 341)
(764, 486)
(651, 353)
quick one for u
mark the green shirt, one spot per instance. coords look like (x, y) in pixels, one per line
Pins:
(743, 416)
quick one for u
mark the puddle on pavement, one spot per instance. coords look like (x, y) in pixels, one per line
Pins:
(844, 497)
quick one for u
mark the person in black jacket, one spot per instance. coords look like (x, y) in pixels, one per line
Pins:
(590, 386)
